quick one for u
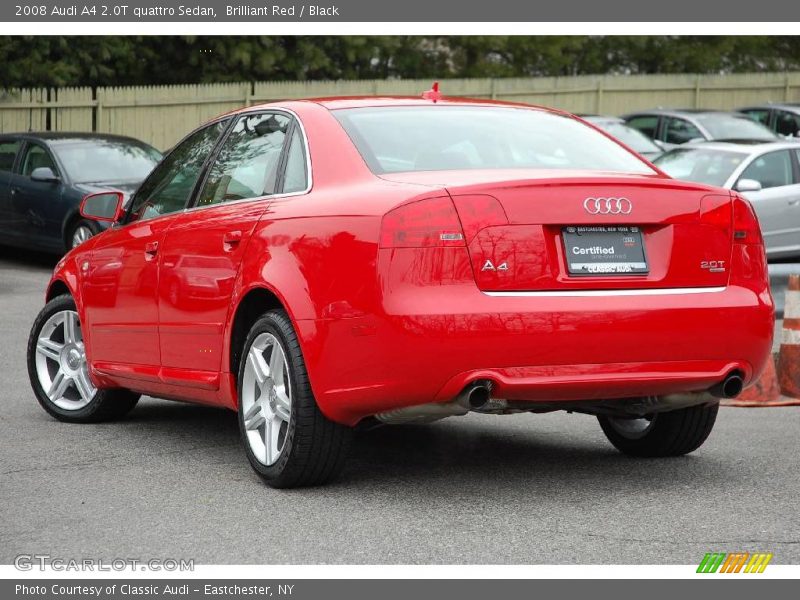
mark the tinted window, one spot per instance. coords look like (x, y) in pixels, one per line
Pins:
(787, 123)
(106, 160)
(434, 138)
(771, 170)
(36, 157)
(680, 131)
(713, 167)
(247, 163)
(734, 127)
(759, 115)
(647, 124)
(295, 178)
(169, 186)
(8, 152)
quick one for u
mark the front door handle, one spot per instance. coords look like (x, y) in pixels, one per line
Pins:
(230, 240)
(150, 250)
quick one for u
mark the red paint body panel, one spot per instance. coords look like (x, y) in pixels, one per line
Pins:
(387, 327)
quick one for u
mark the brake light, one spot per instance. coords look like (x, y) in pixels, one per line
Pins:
(423, 223)
(746, 229)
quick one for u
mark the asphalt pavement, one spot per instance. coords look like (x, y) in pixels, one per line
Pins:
(171, 481)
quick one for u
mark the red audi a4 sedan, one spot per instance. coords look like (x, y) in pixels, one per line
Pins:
(316, 265)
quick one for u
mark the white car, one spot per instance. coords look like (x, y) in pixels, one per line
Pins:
(767, 174)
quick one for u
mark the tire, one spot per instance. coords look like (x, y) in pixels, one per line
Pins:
(90, 228)
(672, 433)
(79, 401)
(276, 404)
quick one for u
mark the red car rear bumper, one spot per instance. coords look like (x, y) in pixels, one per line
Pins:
(535, 347)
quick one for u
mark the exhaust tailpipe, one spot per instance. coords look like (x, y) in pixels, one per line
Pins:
(730, 387)
(477, 394)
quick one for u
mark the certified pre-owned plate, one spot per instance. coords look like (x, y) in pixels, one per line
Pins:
(604, 250)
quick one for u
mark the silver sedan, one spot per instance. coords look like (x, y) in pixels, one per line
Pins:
(767, 174)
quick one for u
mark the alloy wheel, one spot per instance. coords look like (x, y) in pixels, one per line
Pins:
(80, 235)
(633, 429)
(61, 364)
(266, 399)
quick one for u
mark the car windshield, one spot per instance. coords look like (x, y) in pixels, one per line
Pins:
(702, 165)
(733, 127)
(106, 160)
(629, 136)
(437, 138)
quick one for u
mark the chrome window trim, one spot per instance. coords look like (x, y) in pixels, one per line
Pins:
(595, 293)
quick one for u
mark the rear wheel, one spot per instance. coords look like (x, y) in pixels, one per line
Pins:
(671, 433)
(288, 441)
(59, 370)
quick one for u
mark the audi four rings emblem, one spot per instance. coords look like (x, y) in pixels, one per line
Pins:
(607, 206)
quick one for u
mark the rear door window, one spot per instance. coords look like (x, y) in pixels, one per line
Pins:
(247, 164)
(787, 123)
(771, 170)
(759, 115)
(680, 131)
(647, 124)
(8, 152)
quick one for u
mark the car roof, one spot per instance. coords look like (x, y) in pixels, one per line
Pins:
(60, 137)
(744, 146)
(602, 119)
(684, 112)
(790, 106)
(347, 102)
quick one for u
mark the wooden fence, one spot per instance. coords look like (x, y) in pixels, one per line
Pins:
(161, 115)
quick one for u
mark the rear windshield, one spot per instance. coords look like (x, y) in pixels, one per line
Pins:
(733, 127)
(106, 160)
(713, 167)
(438, 138)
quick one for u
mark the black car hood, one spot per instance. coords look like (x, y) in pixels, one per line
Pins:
(126, 187)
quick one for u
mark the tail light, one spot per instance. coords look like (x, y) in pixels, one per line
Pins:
(422, 224)
(746, 229)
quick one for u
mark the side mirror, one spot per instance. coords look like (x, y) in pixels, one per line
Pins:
(104, 206)
(45, 175)
(748, 185)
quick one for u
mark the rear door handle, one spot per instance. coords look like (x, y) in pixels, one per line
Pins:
(231, 239)
(150, 250)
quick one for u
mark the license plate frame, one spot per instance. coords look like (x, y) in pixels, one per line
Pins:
(604, 250)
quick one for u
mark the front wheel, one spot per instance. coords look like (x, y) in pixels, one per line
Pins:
(288, 441)
(80, 232)
(59, 370)
(672, 433)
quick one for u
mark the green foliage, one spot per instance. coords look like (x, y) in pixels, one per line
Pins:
(33, 61)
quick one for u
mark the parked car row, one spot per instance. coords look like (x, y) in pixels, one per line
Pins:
(44, 176)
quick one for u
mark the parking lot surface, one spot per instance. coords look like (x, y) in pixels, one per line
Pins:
(171, 481)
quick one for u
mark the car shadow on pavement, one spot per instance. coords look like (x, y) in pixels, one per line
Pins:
(446, 457)
(20, 257)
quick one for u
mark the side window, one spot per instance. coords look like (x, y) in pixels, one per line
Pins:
(247, 164)
(647, 124)
(759, 115)
(295, 177)
(8, 152)
(680, 131)
(169, 186)
(787, 123)
(771, 170)
(36, 157)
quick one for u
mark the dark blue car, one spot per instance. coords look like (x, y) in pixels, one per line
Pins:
(43, 177)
